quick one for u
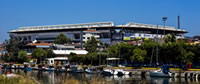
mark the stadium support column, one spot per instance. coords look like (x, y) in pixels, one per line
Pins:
(81, 39)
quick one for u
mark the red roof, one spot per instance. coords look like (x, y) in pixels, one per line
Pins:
(40, 44)
(91, 30)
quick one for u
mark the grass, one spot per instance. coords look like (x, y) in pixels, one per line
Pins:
(94, 80)
(27, 79)
(16, 80)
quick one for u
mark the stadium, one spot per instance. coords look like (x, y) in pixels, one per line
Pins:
(106, 32)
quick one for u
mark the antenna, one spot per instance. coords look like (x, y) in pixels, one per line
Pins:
(178, 22)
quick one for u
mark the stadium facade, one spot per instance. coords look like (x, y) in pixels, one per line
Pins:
(106, 32)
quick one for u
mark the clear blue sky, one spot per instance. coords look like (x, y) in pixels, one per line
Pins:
(18, 13)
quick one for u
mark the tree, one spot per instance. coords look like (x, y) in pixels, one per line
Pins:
(62, 39)
(126, 50)
(188, 57)
(39, 54)
(138, 55)
(91, 45)
(73, 57)
(5, 57)
(170, 38)
(92, 57)
(49, 53)
(113, 51)
(13, 47)
(22, 56)
(150, 47)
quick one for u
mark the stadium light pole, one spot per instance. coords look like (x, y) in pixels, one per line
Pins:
(164, 19)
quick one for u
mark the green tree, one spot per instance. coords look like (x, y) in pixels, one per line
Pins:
(62, 39)
(92, 57)
(150, 47)
(138, 55)
(73, 57)
(91, 45)
(113, 51)
(188, 57)
(5, 57)
(170, 38)
(39, 54)
(49, 53)
(22, 56)
(126, 50)
(13, 47)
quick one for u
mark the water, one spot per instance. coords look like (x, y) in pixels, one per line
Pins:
(58, 78)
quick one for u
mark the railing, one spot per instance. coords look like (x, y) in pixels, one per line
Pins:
(50, 27)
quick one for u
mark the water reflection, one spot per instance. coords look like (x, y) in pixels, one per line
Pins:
(57, 78)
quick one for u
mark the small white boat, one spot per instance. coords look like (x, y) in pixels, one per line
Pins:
(108, 72)
(118, 72)
(89, 71)
(11, 75)
(121, 72)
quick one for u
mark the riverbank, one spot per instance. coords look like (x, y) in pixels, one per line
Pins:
(16, 80)
(28, 79)
(46, 77)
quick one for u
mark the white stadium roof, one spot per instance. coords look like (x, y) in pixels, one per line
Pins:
(91, 25)
(140, 25)
(65, 26)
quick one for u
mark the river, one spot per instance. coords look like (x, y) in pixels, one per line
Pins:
(46, 77)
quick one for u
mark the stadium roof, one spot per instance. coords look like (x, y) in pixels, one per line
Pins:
(150, 26)
(92, 25)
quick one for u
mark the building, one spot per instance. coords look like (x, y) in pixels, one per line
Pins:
(87, 34)
(106, 32)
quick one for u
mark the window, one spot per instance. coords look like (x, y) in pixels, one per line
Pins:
(77, 36)
(104, 35)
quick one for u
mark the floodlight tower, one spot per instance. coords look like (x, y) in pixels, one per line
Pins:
(164, 19)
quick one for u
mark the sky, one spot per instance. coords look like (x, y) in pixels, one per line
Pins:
(20, 13)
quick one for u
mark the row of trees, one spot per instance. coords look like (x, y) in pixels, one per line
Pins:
(170, 51)
(17, 54)
(40, 54)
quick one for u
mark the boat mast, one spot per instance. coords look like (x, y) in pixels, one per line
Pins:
(121, 38)
(155, 39)
(157, 47)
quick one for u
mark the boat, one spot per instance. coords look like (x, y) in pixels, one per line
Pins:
(108, 72)
(164, 72)
(121, 72)
(75, 69)
(49, 68)
(127, 73)
(35, 68)
(27, 69)
(11, 75)
(89, 71)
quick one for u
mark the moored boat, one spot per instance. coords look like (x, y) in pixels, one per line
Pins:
(164, 72)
